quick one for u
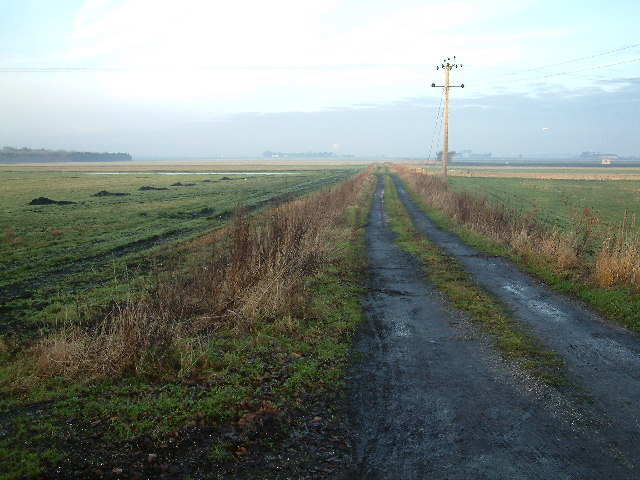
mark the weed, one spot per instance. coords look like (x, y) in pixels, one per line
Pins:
(221, 452)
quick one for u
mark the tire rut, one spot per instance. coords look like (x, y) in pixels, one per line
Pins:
(430, 399)
(602, 358)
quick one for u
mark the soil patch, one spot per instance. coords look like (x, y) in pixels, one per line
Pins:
(48, 201)
(304, 444)
(107, 193)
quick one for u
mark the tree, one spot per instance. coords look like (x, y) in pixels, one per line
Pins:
(451, 155)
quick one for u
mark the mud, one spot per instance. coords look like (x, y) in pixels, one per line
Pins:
(148, 188)
(107, 193)
(430, 398)
(48, 201)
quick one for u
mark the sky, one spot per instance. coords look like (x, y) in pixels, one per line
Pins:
(209, 78)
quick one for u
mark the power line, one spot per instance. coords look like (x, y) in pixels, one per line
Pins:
(519, 72)
(435, 127)
(279, 67)
(179, 68)
(528, 79)
(584, 69)
(439, 139)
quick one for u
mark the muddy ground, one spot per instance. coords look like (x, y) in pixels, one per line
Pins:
(430, 398)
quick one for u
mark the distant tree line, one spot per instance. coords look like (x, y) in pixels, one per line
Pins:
(29, 155)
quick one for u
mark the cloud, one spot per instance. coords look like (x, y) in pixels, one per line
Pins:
(197, 32)
(508, 124)
(248, 75)
(306, 55)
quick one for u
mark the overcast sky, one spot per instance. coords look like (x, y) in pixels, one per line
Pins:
(237, 77)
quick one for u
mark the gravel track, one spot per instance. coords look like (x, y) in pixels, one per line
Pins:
(431, 399)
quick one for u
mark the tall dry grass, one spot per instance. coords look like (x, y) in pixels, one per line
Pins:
(509, 226)
(617, 262)
(614, 261)
(257, 269)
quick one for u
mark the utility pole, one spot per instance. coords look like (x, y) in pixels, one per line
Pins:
(446, 66)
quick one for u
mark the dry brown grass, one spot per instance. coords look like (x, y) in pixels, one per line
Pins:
(615, 262)
(518, 230)
(257, 269)
(136, 337)
(562, 249)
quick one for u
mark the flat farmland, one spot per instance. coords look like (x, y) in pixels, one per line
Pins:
(560, 202)
(545, 172)
(559, 195)
(116, 215)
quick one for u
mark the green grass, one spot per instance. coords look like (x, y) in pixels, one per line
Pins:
(283, 362)
(58, 262)
(559, 202)
(512, 340)
(528, 170)
(37, 238)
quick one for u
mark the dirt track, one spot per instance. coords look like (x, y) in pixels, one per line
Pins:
(431, 399)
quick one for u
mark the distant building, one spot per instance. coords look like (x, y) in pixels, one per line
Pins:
(470, 155)
(270, 154)
(589, 155)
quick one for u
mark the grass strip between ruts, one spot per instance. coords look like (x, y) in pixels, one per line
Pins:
(442, 270)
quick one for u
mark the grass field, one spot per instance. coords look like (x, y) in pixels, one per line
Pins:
(559, 202)
(559, 195)
(243, 330)
(121, 212)
(550, 172)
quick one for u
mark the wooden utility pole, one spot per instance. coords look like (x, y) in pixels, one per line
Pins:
(446, 66)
